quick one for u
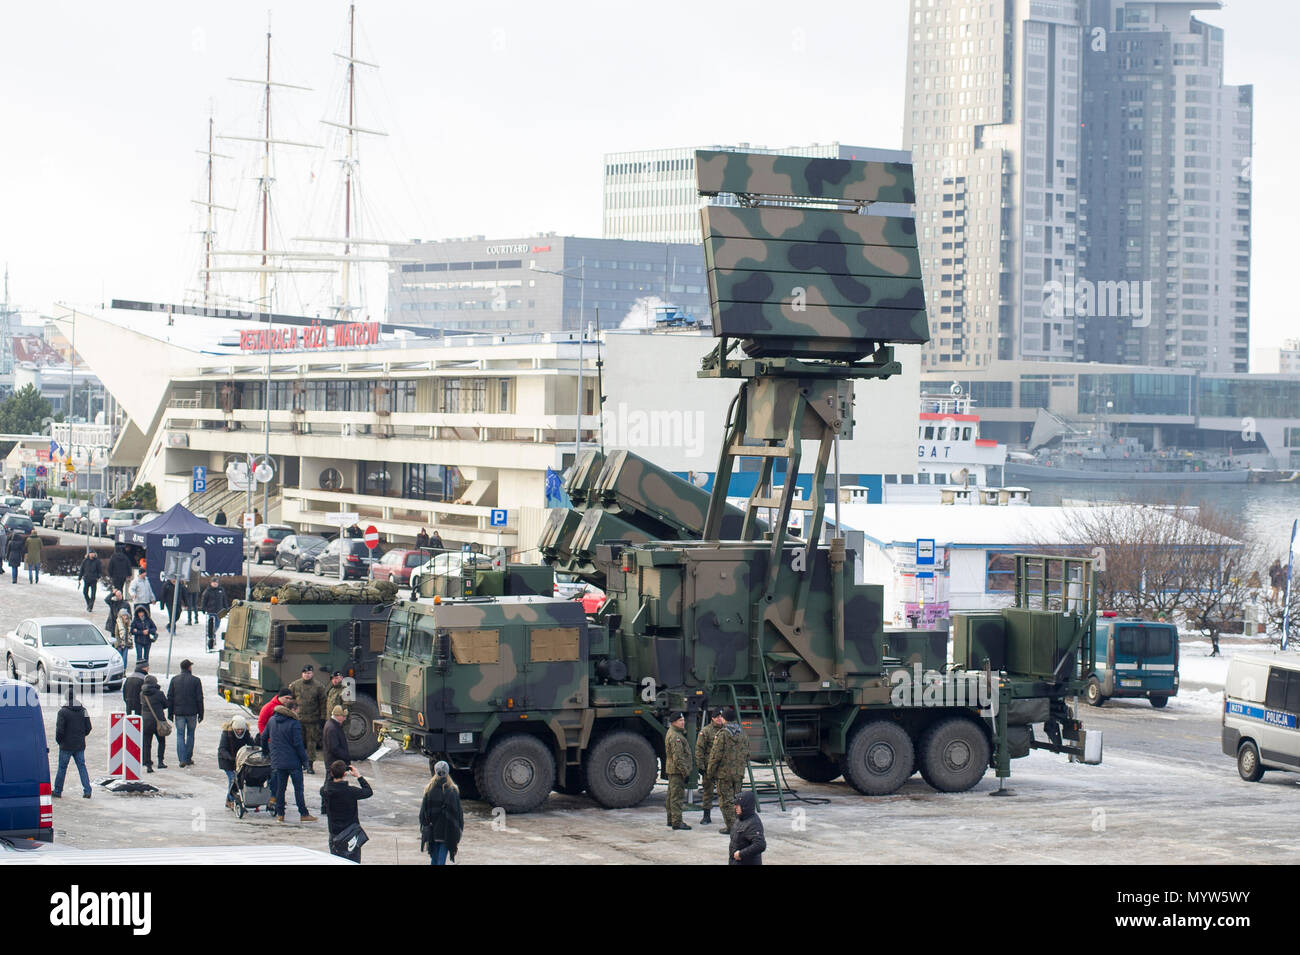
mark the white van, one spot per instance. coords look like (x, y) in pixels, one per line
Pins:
(1261, 706)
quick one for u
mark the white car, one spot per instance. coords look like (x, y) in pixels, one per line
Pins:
(62, 651)
(448, 565)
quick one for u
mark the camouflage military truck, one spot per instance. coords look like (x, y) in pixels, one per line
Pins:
(269, 641)
(708, 608)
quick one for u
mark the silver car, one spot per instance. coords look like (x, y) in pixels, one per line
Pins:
(62, 651)
(74, 518)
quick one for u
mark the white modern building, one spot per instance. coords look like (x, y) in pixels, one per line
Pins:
(413, 432)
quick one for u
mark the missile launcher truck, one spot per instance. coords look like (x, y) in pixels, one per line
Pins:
(809, 290)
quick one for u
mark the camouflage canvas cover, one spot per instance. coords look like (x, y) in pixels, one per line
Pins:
(820, 281)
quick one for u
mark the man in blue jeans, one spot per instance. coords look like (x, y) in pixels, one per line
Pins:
(288, 756)
(185, 704)
(71, 728)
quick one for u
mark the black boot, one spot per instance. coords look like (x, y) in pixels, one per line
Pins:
(708, 818)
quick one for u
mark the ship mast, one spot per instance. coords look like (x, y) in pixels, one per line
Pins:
(210, 231)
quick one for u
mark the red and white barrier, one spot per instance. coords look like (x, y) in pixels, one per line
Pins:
(124, 743)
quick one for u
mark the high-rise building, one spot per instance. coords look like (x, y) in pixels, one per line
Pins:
(1082, 183)
(1165, 166)
(650, 193)
(545, 283)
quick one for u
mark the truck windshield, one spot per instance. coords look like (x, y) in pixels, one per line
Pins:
(422, 637)
(259, 628)
(395, 640)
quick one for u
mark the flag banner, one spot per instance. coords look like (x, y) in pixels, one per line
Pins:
(1286, 596)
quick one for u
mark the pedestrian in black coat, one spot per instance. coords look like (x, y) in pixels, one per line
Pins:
(153, 710)
(119, 568)
(220, 519)
(115, 603)
(89, 573)
(15, 552)
(441, 819)
(132, 685)
(338, 801)
(747, 841)
(334, 743)
(71, 727)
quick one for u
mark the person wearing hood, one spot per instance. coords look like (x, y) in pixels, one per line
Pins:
(71, 728)
(119, 569)
(144, 632)
(442, 821)
(121, 630)
(234, 737)
(153, 710)
(89, 573)
(728, 759)
(338, 802)
(288, 755)
(115, 602)
(747, 842)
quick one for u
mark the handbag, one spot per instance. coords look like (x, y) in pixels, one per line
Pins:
(350, 839)
(162, 727)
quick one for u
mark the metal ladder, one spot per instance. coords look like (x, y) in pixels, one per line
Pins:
(755, 704)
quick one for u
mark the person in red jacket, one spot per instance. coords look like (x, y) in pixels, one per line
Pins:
(264, 715)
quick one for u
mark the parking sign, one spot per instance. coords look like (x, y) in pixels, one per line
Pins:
(200, 479)
(498, 517)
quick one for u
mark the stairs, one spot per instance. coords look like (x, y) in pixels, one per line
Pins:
(756, 711)
(219, 496)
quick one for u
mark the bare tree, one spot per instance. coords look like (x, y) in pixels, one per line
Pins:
(1223, 572)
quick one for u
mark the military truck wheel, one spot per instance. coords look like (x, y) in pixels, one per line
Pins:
(815, 768)
(954, 755)
(879, 759)
(620, 770)
(1248, 764)
(1093, 693)
(1159, 700)
(517, 774)
(359, 727)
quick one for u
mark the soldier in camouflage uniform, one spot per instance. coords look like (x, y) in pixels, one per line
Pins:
(310, 697)
(728, 758)
(703, 747)
(677, 766)
(334, 696)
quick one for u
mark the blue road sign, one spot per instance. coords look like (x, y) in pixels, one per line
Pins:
(498, 517)
(200, 479)
(925, 552)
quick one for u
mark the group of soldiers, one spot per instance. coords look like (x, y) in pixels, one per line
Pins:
(721, 754)
(315, 703)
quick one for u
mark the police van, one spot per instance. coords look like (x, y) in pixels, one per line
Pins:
(26, 802)
(1134, 658)
(1261, 705)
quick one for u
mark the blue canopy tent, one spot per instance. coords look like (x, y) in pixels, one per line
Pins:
(218, 550)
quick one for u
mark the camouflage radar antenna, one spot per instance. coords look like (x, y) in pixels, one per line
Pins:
(815, 288)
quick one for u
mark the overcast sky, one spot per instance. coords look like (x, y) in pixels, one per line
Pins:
(498, 115)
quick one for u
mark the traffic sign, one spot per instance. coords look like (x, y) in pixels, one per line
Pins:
(124, 738)
(498, 517)
(371, 537)
(925, 552)
(249, 520)
(344, 519)
(200, 479)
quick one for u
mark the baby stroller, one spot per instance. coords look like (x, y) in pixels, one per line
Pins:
(252, 788)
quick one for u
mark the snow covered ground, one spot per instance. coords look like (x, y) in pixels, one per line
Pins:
(1164, 794)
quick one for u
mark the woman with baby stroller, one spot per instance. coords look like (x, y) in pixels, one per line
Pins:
(248, 773)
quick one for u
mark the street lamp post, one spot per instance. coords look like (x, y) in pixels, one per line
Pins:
(582, 335)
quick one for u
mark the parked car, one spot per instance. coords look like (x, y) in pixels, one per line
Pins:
(53, 518)
(117, 520)
(397, 566)
(1260, 727)
(73, 521)
(11, 501)
(569, 586)
(26, 803)
(262, 541)
(13, 521)
(356, 558)
(59, 651)
(35, 507)
(1134, 658)
(593, 598)
(299, 551)
(448, 565)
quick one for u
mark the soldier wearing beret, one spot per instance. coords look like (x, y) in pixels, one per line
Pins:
(727, 762)
(310, 697)
(677, 766)
(703, 747)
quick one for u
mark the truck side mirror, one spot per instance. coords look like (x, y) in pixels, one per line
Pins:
(356, 641)
(277, 643)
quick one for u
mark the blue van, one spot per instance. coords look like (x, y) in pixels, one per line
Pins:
(1134, 658)
(26, 803)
